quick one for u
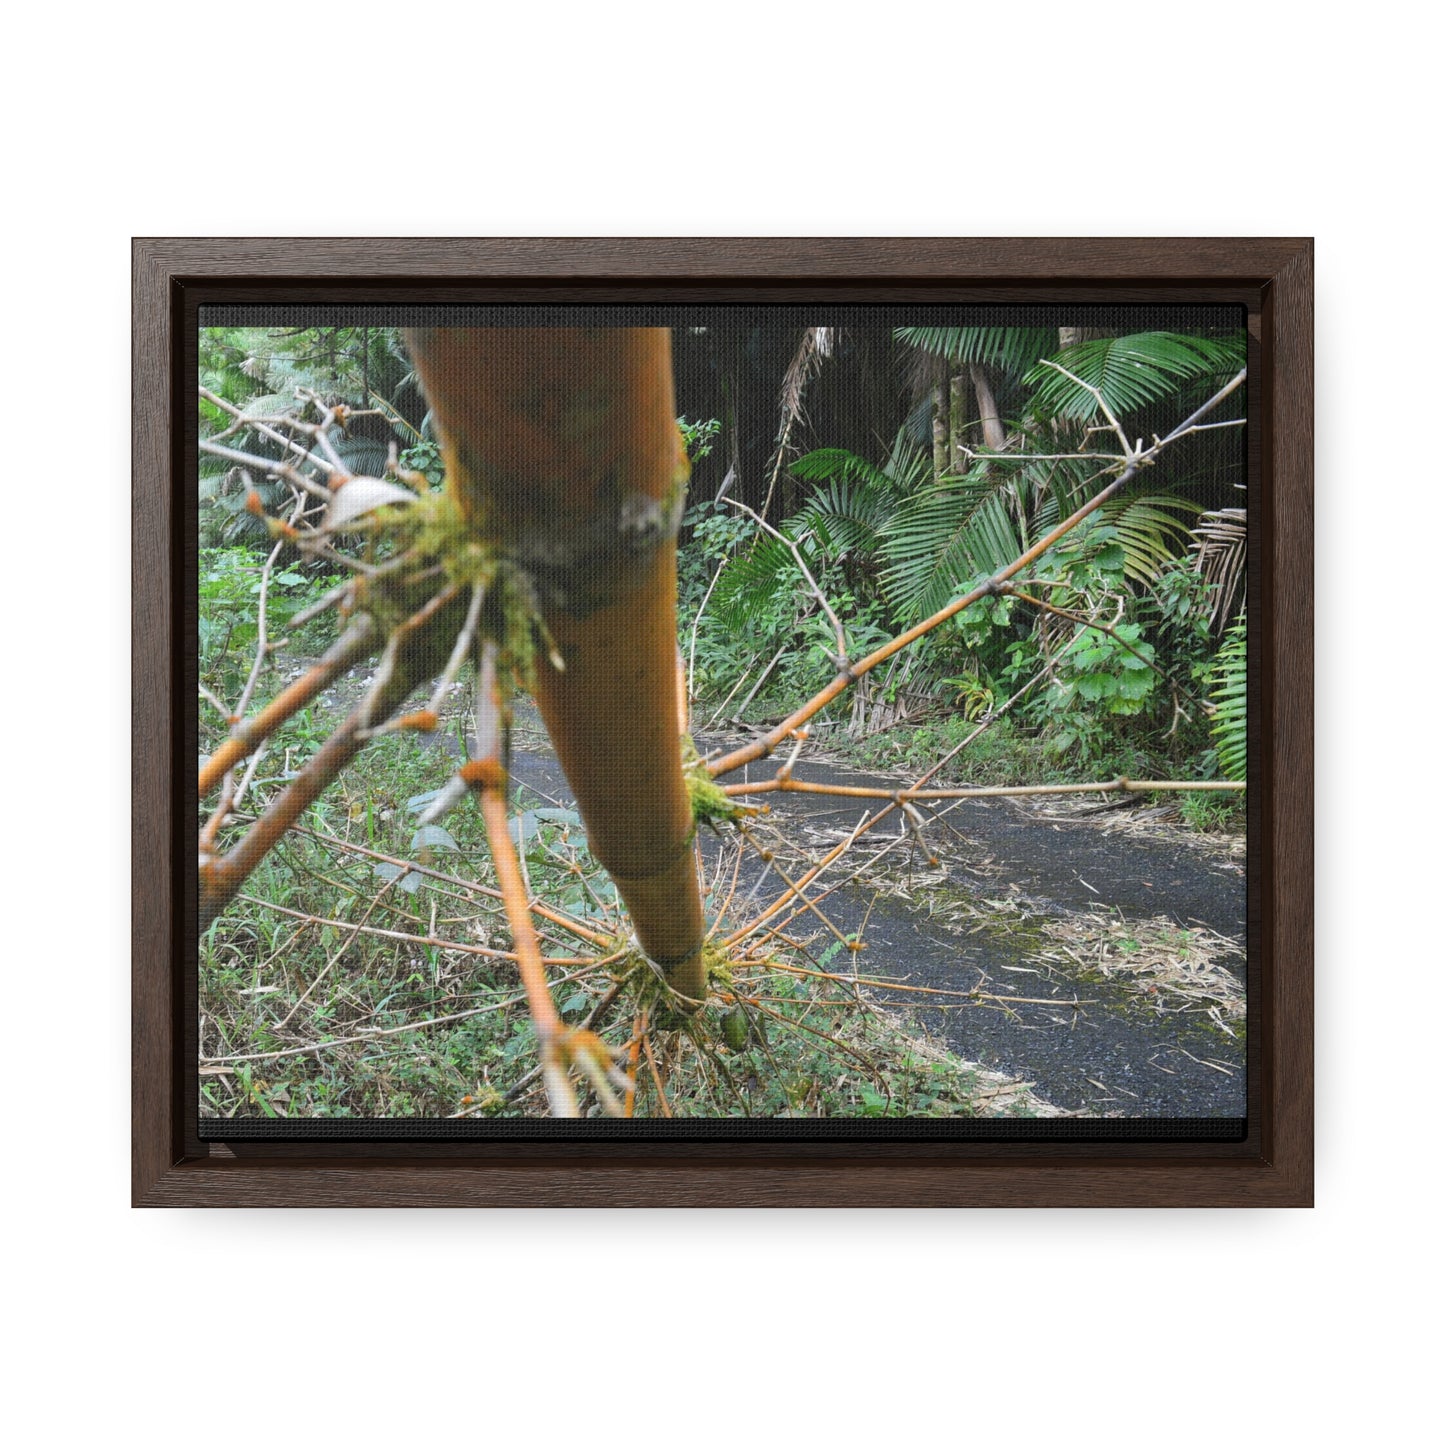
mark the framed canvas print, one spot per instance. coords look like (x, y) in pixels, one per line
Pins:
(729, 722)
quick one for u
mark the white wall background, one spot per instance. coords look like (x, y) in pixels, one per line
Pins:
(748, 119)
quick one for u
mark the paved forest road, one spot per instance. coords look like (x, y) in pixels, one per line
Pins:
(1030, 905)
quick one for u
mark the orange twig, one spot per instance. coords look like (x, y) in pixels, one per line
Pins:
(357, 642)
(634, 1054)
(656, 1077)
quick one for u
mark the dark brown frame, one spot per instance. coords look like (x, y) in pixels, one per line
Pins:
(1273, 1166)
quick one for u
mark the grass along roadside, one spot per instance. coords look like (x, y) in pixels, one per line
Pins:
(311, 1019)
(365, 973)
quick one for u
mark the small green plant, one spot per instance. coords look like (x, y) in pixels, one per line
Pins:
(227, 626)
(699, 437)
(425, 457)
(1212, 812)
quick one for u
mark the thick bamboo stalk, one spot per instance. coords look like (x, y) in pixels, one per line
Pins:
(562, 447)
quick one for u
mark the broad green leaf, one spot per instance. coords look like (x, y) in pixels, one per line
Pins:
(409, 881)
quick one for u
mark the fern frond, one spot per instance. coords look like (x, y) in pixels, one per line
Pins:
(1230, 678)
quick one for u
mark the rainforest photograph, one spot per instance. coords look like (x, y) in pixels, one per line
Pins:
(770, 712)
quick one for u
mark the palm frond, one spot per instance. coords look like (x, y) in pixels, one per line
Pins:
(845, 519)
(944, 536)
(828, 463)
(1149, 531)
(753, 582)
(1220, 547)
(1129, 371)
(1010, 348)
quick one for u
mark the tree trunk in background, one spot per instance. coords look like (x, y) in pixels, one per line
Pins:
(958, 420)
(940, 417)
(993, 432)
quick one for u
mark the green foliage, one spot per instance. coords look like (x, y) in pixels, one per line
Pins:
(699, 437)
(229, 592)
(1130, 372)
(1010, 348)
(1148, 532)
(1007, 754)
(1212, 812)
(425, 457)
(891, 544)
(1229, 690)
(761, 603)
(1110, 670)
(945, 536)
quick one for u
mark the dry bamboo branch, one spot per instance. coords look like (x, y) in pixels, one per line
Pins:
(221, 877)
(357, 642)
(900, 796)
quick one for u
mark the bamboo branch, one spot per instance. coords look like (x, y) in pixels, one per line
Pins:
(900, 796)
(357, 642)
(404, 668)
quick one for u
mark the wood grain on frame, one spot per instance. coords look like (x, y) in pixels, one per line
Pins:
(1274, 1167)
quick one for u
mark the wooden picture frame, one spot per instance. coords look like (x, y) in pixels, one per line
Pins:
(1272, 1166)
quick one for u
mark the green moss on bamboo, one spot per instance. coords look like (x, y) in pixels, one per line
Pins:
(709, 803)
(434, 531)
(666, 1007)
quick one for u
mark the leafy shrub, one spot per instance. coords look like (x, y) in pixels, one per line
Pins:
(230, 588)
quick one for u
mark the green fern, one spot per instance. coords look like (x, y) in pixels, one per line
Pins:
(1229, 676)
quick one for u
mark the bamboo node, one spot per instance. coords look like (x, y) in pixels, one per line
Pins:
(483, 773)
